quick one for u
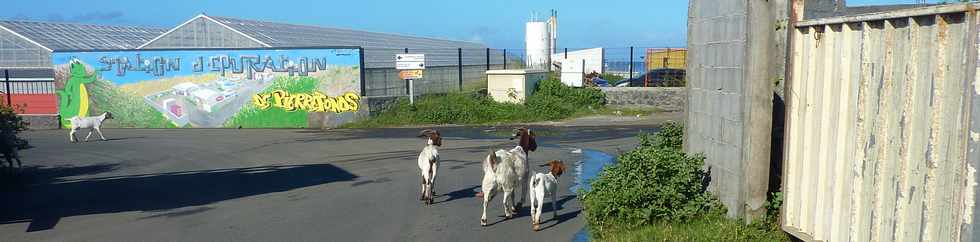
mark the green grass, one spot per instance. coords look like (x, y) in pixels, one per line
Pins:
(251, 116)
(456, 108)
(703, 229)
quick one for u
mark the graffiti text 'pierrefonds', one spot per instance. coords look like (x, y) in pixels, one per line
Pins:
(315, 102)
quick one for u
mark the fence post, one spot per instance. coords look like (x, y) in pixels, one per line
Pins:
(505, 59)
(459, 59)
(631, 62)
(6, 80)
(408, 83)
(488, 59)
(667, 59)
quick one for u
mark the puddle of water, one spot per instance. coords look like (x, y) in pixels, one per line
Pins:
(581, 236)
(589, 167)
(585, 170)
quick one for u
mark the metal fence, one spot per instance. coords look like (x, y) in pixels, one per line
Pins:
(36, 94)
(457, 69)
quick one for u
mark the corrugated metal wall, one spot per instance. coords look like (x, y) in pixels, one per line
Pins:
(878, 124)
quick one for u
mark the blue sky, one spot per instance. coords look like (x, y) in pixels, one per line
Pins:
(498, 23)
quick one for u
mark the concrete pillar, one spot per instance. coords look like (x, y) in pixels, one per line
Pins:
(736, 59)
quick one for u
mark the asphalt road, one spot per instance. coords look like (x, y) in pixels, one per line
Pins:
(278, 185)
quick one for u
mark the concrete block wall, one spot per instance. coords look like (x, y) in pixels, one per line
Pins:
(730, 97)
(41, 121)
(329, 120)
(663, 98)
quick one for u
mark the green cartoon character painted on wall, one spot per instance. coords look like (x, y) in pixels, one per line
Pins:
(73, 98)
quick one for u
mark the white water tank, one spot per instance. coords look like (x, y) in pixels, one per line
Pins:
(538, 44)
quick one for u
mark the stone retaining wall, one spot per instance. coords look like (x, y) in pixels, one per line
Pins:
(664, 98)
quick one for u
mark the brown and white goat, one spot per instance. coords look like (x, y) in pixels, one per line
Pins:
(429, 163)
(527, 144)
(504, 171)
(500, 175)
(545, 184)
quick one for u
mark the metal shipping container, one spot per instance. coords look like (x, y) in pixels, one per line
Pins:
(883, 127)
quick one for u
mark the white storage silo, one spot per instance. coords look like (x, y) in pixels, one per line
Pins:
(537, 40)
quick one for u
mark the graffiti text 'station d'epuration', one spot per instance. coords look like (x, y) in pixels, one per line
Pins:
(159, 66)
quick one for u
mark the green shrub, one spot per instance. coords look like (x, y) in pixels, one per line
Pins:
(670, 136)
(773, 205)
(10, 125)
(583, 97)
(656, 182)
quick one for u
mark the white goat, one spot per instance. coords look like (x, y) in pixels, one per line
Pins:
(500, 174)
(543, 184)
(429, 163)
(527, 144)
(93, 123)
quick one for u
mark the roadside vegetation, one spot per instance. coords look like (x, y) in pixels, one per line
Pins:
(10, 127)
(552, 100)
(656, 192)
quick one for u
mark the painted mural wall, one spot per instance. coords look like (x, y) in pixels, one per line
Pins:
(251, 88)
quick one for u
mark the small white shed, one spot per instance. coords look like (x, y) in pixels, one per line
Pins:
(513, 86)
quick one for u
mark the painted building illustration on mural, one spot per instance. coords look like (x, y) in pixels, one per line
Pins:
(209, 88)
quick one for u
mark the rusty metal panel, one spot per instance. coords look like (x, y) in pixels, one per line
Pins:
(884, 142)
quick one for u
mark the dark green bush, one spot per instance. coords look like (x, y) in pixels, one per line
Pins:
(10, 125)
(670, 136)
(656, 182)
(583, 97)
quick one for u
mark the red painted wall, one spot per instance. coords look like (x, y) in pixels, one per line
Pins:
(36, 103)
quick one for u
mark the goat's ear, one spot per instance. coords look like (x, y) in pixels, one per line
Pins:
(532, 143)
(561, 167)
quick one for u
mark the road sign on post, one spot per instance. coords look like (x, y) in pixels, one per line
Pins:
(410, 74)
(410, 65)
(413, 62)
(409, 57)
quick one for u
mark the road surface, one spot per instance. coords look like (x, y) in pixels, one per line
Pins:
(278, 185)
